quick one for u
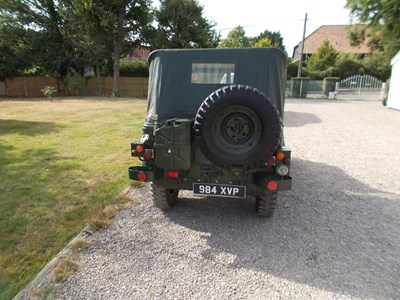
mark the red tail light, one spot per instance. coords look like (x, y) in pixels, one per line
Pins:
(272, 185)
(172, 174)
(142, 176)
(148, 153)
(271, 161)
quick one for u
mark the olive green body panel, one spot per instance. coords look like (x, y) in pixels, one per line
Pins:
(194, 167)
(173, 145)
(180, 94)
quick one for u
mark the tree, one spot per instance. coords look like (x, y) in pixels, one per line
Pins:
(181, 25)
(264, 42)
(38, 25)
(356, 35)
(58, 42)
(13, 54)
(268, 39)
(324, 58)
(236, 38)
(123, 21)
(376, 65)
(345, 66)
(85, 32)
(383, 20)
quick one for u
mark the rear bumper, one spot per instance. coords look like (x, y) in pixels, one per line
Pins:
(256, 187)
(136, 170)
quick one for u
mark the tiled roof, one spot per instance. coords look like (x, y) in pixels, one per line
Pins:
(337, 36)
(140, 53)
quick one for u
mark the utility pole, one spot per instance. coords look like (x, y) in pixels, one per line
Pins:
(302, 48)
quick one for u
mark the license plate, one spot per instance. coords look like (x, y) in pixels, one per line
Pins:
(220, 190)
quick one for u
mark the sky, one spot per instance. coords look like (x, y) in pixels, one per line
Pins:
(285, 16)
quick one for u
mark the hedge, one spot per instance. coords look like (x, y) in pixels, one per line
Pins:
(329, 84)
(134, 69)
(300, 87)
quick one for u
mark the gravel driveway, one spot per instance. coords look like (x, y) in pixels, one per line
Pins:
(335, 235)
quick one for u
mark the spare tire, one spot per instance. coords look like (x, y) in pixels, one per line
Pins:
(237, 126)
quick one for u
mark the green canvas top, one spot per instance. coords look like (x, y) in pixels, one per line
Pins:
(181, 79)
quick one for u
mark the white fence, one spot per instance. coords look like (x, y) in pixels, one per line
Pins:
(356, 87)
(359, 84)
(360, 87)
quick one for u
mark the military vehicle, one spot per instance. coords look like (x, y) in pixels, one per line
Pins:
(214, 126)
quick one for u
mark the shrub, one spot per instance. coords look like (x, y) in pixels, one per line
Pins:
(134, 69)
(75, 84)
(378, 65)
(292, 69)
(48, 91)
(300, 87)
(346, 66)
(328, 85)
(325, 57)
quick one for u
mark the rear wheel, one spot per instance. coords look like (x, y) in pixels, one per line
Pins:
(163, 198)
(266, 205)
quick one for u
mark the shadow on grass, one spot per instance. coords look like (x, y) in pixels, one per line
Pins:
(331, 232)
(36, 209)
(27, 127)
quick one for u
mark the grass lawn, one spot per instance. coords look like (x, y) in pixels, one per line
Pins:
(61, 163)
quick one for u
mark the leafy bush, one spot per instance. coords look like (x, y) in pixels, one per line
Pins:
(346, 65)
(328, 85)
(325, 57)
(75, 84)
(377, 64)
(292, 69)
(48, 91)
(134, 69)
(300, 87)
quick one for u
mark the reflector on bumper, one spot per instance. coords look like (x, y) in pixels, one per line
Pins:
(141, 173)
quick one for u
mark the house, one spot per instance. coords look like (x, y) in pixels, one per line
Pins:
(394, 89)
(139, 53)
(338, 38)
